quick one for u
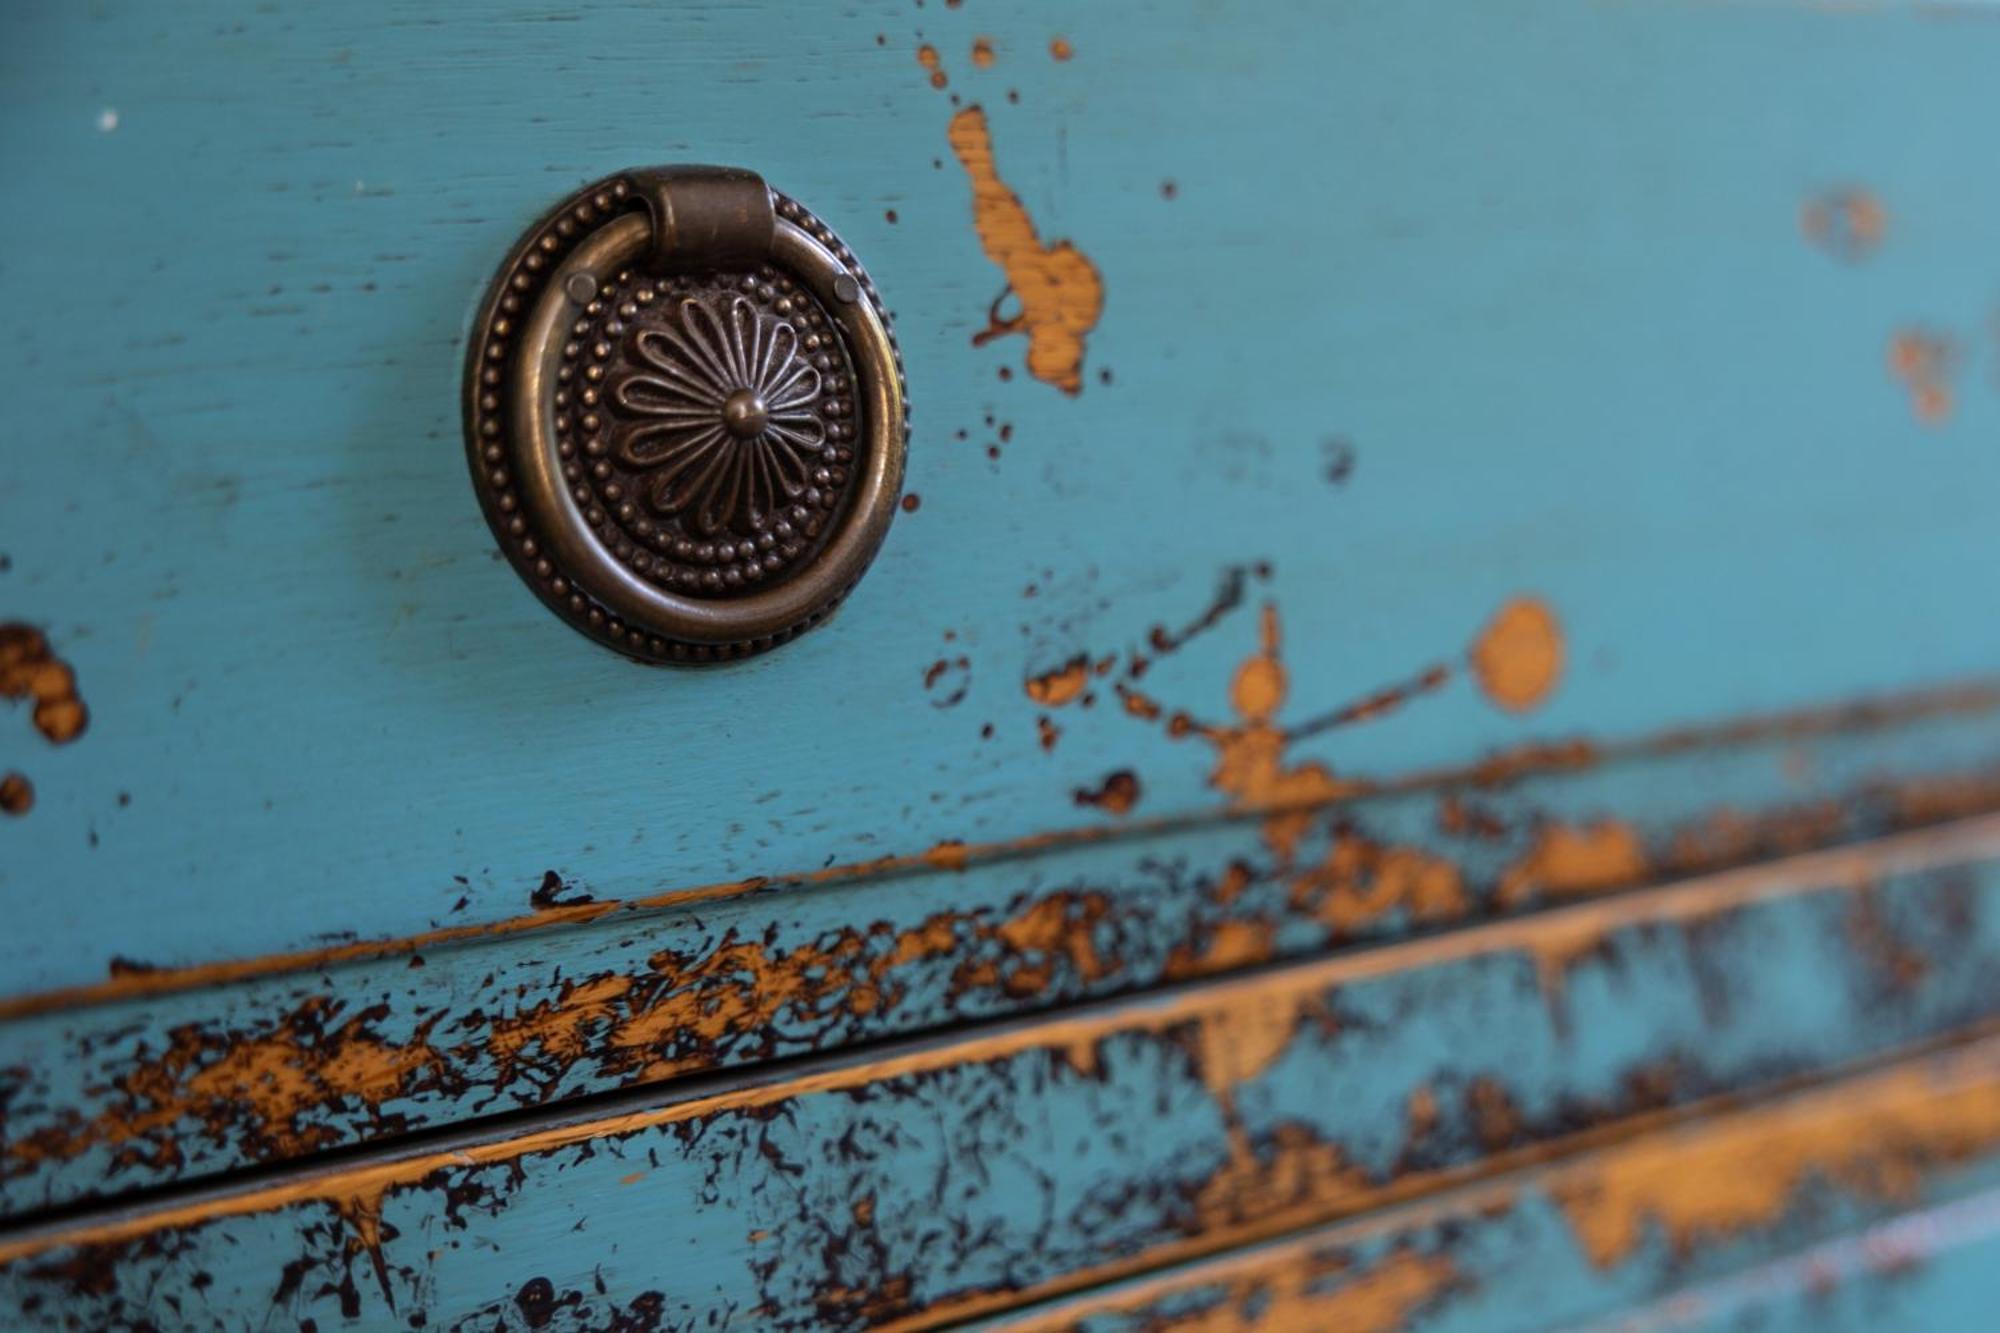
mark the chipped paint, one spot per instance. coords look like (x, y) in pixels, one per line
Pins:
(1496, 1243)
(1518, 658)
(1056, 288)
(1116, 795)
(1313, 1289)
(259, 1091)
(602, 1015)
(1062, 685)
(1848, 223)
(1235, 1044)
(1879, 1138)
(1567, 861)
(30, 671)
(1360, 882)
(1925, 362)
(1273, 1157)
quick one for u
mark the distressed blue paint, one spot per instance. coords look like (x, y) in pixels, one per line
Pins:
(1834, 1258)
(1932, 1269)
(916, 1181)
(1520, 1271)
(1134, 913)
(1542, 266)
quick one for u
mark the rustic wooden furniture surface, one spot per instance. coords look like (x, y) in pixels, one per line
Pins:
(1424, 752)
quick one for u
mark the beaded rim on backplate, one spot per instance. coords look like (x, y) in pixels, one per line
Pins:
(522, 439)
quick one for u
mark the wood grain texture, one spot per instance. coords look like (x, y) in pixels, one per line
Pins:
(952, 1177)
(160, 1077)
(1669, 318)
(1700, 1226)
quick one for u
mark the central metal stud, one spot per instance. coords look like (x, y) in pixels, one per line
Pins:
(745, 414)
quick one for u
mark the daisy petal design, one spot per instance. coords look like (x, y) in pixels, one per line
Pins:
(724, 409)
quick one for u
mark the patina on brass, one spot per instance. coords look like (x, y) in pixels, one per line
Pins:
(685, 414)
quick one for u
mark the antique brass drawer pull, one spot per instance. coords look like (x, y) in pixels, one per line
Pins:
(685, 414)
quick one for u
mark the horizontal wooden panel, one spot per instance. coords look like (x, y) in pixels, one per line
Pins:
(1645, 1236)
(1668, 320)
(954, 1177)
(159, 1076)
(1929, 1269)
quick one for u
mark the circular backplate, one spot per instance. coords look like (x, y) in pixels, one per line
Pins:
(688, 435)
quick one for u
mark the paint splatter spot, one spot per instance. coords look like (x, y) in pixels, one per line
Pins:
(1053, 689)
(28, 670)
(912, 502)
(890, 217)
(1169, 191)
(1060, 48)
(1925, 361)
(1847, 223)
(1057, 290)
(982, 52)
(1117, 794)
(107, 120)
(537, 1301)
(948, 680)
(1518, 657)
(927, 56)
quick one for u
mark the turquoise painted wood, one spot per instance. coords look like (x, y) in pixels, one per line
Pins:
(1461, 677)
(928, 1182)
(1542, 268)
(1517, 1256)
(143, 1089)
(1930, 1269)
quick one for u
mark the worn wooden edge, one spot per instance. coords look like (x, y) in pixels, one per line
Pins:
(1760, 1195)
(1624, 1005)
(1974, 697)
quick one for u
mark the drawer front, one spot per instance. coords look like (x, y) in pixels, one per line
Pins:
(926, 1182)
(1426, 345)
(1460, 531)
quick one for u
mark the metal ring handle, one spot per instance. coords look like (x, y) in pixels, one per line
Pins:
(597, 569)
